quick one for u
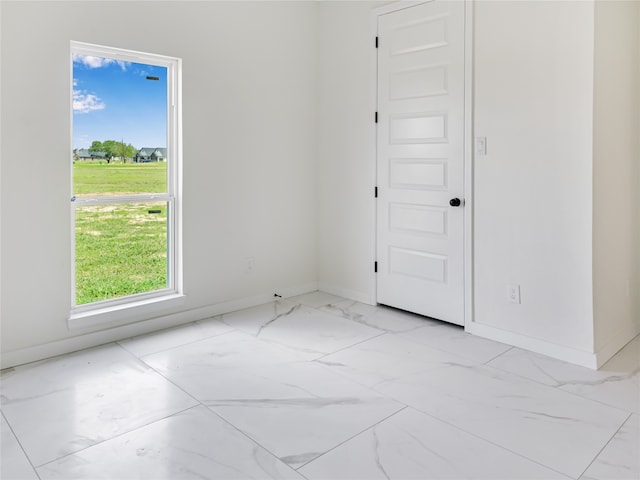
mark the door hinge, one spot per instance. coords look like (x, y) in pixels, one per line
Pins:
(375, 267)
(375, 192)
(376, 42)
(376, 117)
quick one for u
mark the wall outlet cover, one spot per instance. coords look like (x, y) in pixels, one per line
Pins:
(513, 293)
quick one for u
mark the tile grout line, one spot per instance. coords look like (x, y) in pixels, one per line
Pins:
(448, 352)
(605, 445)
(19, 444)
(357, 434)
(199, 404)
(70, 454)
(328, 311)
(233, 329)
(475, 435)
(497, 356)
(319, 309)
(349, 346)
(555, 388)
(53, 358)
(209, 409)
(490, 442)
(558, 388)
(404, 406)
(149, 367)
(247, 436)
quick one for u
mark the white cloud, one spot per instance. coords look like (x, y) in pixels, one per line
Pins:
(98, 62)
(84, 102)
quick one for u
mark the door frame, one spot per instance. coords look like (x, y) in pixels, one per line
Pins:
(468, 147)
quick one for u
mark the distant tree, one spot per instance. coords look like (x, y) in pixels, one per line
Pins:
(111, 147)
(96, 146)
(122, 150)
(130, 151)
(114, 149)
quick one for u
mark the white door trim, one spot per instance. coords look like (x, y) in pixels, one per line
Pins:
(468, 150)
(468, 164)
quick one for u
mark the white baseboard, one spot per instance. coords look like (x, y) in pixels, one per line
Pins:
(346, 293)
(560, 352)
(93, 339)
(88, 340)
(619, 340)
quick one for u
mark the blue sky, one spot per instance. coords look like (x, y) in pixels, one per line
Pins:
(113, 100)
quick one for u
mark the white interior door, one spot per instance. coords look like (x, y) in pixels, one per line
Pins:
(420, 160)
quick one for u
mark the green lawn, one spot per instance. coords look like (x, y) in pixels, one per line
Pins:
(120, 249)
(118, 178)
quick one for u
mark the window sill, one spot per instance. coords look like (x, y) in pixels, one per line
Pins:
(124, 313)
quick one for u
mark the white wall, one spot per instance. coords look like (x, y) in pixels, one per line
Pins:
(534, 194)
(346, 149)
(267, 177)
(616, 177)
(635, 294)
(533, 191)
(249, 89)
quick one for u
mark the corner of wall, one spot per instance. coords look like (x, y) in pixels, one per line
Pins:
(345, 149)
(616, 154)
(533, 101)
(635, 287)
(248, 111)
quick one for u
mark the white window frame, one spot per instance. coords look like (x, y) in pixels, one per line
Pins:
(120, 310)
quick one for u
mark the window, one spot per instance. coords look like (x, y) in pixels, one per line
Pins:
(125, 198)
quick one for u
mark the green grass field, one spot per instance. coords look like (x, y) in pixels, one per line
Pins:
(119, 178)
(120, 249)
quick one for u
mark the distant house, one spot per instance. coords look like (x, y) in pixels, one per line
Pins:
(156, 154)
(81, 153)
(85, 154)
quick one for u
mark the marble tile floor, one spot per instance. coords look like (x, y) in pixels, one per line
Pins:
(319, 387)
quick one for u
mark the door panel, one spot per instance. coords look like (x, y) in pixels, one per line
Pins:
(421, 160)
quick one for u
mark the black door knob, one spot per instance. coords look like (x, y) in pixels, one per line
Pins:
(455, 202)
